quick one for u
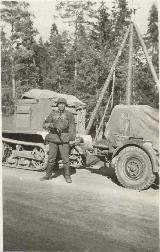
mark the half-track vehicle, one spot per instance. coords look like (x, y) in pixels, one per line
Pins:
(130, 145)
(23, 135)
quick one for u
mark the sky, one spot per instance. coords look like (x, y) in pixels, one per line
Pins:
(44, 10)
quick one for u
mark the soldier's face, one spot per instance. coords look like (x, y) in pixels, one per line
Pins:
(61, 106)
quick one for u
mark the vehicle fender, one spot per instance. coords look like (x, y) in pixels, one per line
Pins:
(78, 149)
(118, 149)
(147, 146)
(131, 141)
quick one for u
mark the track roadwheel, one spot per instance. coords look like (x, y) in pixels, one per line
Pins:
(133, 168)
(40, 153)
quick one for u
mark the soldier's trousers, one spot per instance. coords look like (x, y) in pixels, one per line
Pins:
(53, 151)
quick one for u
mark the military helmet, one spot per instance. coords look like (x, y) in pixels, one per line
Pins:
(62, 100)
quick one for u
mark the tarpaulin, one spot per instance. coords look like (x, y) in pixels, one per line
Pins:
(54, 96)
(135, 121)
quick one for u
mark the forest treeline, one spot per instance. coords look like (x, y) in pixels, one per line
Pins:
(77, 60)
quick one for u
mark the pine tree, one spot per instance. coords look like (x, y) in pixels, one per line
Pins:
(76, 14)
(16, 16)
(120, 17)
(144, 84)
(42, 61)
(5, 61)
(56, 78)
(109, 30)
(152, 35)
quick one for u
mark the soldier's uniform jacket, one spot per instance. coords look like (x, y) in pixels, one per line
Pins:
(61, 126)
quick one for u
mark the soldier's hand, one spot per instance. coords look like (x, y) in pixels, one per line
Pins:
(51, 126)
(46, 126)
(71, 143)
(59, 131)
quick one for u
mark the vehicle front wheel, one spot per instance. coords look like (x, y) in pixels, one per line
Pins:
(133, 168)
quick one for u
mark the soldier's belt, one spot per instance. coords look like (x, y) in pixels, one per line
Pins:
(54, 131)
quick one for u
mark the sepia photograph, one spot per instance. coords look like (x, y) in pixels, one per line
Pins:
(80, 126)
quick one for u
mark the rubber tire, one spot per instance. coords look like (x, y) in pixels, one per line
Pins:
(3, 151)
(137, 156)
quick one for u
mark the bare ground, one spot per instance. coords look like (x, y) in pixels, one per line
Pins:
(92, 214)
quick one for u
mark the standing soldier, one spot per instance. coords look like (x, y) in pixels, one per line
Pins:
(62, 130)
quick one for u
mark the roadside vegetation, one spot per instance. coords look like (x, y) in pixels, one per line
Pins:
(78, 60)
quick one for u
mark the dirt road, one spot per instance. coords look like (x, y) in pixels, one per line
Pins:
(90, 215)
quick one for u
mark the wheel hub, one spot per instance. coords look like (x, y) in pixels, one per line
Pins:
(134, 168)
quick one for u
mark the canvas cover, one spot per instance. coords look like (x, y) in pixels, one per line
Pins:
(72, 101)
(134, 120)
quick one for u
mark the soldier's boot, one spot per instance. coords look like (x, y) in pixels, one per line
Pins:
(48, 175)
(67, 174)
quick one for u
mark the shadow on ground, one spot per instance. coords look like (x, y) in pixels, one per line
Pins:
(104, 169)
(58, 172)
(108, 171)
